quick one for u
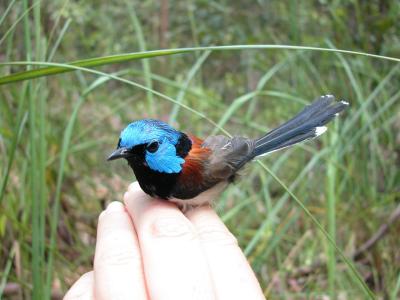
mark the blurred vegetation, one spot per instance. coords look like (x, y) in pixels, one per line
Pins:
(56, 132)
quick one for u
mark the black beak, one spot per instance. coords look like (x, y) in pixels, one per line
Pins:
(119, 153)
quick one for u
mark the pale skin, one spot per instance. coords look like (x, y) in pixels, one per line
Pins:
(148, 249)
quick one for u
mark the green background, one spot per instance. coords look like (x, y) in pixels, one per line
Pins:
(56, 132)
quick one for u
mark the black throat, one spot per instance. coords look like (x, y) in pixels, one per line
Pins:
(152, 182)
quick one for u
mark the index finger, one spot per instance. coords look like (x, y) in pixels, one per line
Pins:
(118, 270)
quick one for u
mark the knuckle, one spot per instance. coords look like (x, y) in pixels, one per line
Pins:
(116, 206)
(133, 186)
(87, 276)
(171, 227)
(126, 197)
(117, 256)
(116, 246)
(215, 235)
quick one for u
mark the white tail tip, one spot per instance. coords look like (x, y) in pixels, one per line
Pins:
(320, 130)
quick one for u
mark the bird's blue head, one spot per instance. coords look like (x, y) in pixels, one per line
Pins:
(151, 144)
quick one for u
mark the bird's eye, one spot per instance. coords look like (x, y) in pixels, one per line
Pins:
(152, 147)
(119, 143)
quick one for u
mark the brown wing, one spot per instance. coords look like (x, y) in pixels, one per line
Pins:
(228, 155)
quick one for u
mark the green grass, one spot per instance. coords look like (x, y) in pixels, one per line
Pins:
(316, 202)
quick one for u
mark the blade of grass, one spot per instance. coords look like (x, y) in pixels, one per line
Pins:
(112, 59)
(384, 108)
(185, 86)
(17, 137)
(374, 157)
(59, 39)
(349, 264)
(395, 292)
(272, 215)
(10, 5)
(331, 208)
(62, 12)
(6, 271)
(142, 46)
(264, 80)
(65, 148)
(129, 82)
(40, 115)
(236, 104)
(235, 210)
(370, 99)
(192, 21)
(35, 206)
(22, 17)
(276, 238)
(62, 68)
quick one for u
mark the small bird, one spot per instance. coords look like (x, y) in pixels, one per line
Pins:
(185, 169)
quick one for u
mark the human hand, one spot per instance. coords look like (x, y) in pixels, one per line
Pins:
(149, 249)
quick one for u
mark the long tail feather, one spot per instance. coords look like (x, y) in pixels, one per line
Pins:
(307, 124)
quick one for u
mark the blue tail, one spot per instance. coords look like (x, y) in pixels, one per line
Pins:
(307, 124)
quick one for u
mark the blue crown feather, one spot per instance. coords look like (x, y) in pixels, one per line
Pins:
(146, 131)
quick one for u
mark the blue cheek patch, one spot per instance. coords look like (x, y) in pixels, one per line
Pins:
(165, 159)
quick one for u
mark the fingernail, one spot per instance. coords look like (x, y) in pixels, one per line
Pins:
(115, 206)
